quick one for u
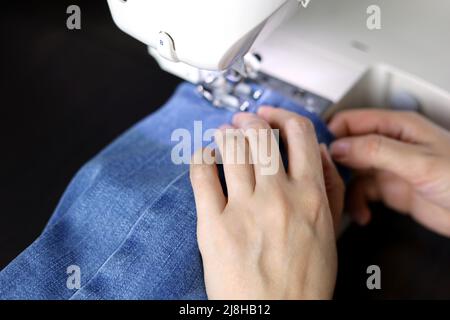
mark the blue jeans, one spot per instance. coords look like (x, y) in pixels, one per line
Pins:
(128, 217)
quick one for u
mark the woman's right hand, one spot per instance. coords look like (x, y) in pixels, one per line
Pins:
(401, 159)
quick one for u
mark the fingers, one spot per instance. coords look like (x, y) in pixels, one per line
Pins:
(334, 186)
(374, 186)
(300, 138)
(209, 198)
(357, 201)
(264, 148)
(236, 159)
(404, 126)
(382, 153)
(438, 221)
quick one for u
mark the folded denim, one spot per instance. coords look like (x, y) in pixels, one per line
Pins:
(128, 217)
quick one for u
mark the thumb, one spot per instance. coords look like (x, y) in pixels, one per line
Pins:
(409, 162)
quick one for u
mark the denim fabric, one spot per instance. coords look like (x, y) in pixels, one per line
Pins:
(128, 217)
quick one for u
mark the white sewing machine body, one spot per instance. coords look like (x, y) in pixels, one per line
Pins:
(329, 50)
(205, 34)
(326, 49)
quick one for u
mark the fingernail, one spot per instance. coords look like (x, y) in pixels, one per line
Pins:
(340, 149)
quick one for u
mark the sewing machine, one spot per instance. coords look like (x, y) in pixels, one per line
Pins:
(324, 54)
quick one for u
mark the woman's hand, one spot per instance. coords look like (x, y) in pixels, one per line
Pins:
(401, 159)
(273, 236)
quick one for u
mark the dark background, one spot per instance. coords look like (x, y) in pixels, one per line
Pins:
(65, 95)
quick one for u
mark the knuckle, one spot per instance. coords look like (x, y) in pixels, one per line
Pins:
(280, 203)
(340, 116)
(315, 199)
(282, 206)
(231, 134)
(280, 213)
(227, 134)
(373, 145)
(256, 124)
(257, 132)
(233, 139)
(299, 124)
(315, 202)
(219, 138)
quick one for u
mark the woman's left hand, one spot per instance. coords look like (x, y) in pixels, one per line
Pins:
(273, 236)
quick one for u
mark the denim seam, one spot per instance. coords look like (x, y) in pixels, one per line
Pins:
(174, 250)
(131, 230)
(90, 188)
(165, 261)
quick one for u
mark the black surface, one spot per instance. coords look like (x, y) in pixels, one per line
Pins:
(66, 94)
(414, 262)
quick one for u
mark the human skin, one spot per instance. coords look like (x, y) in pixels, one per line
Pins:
(399, 158)
(273, 236)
